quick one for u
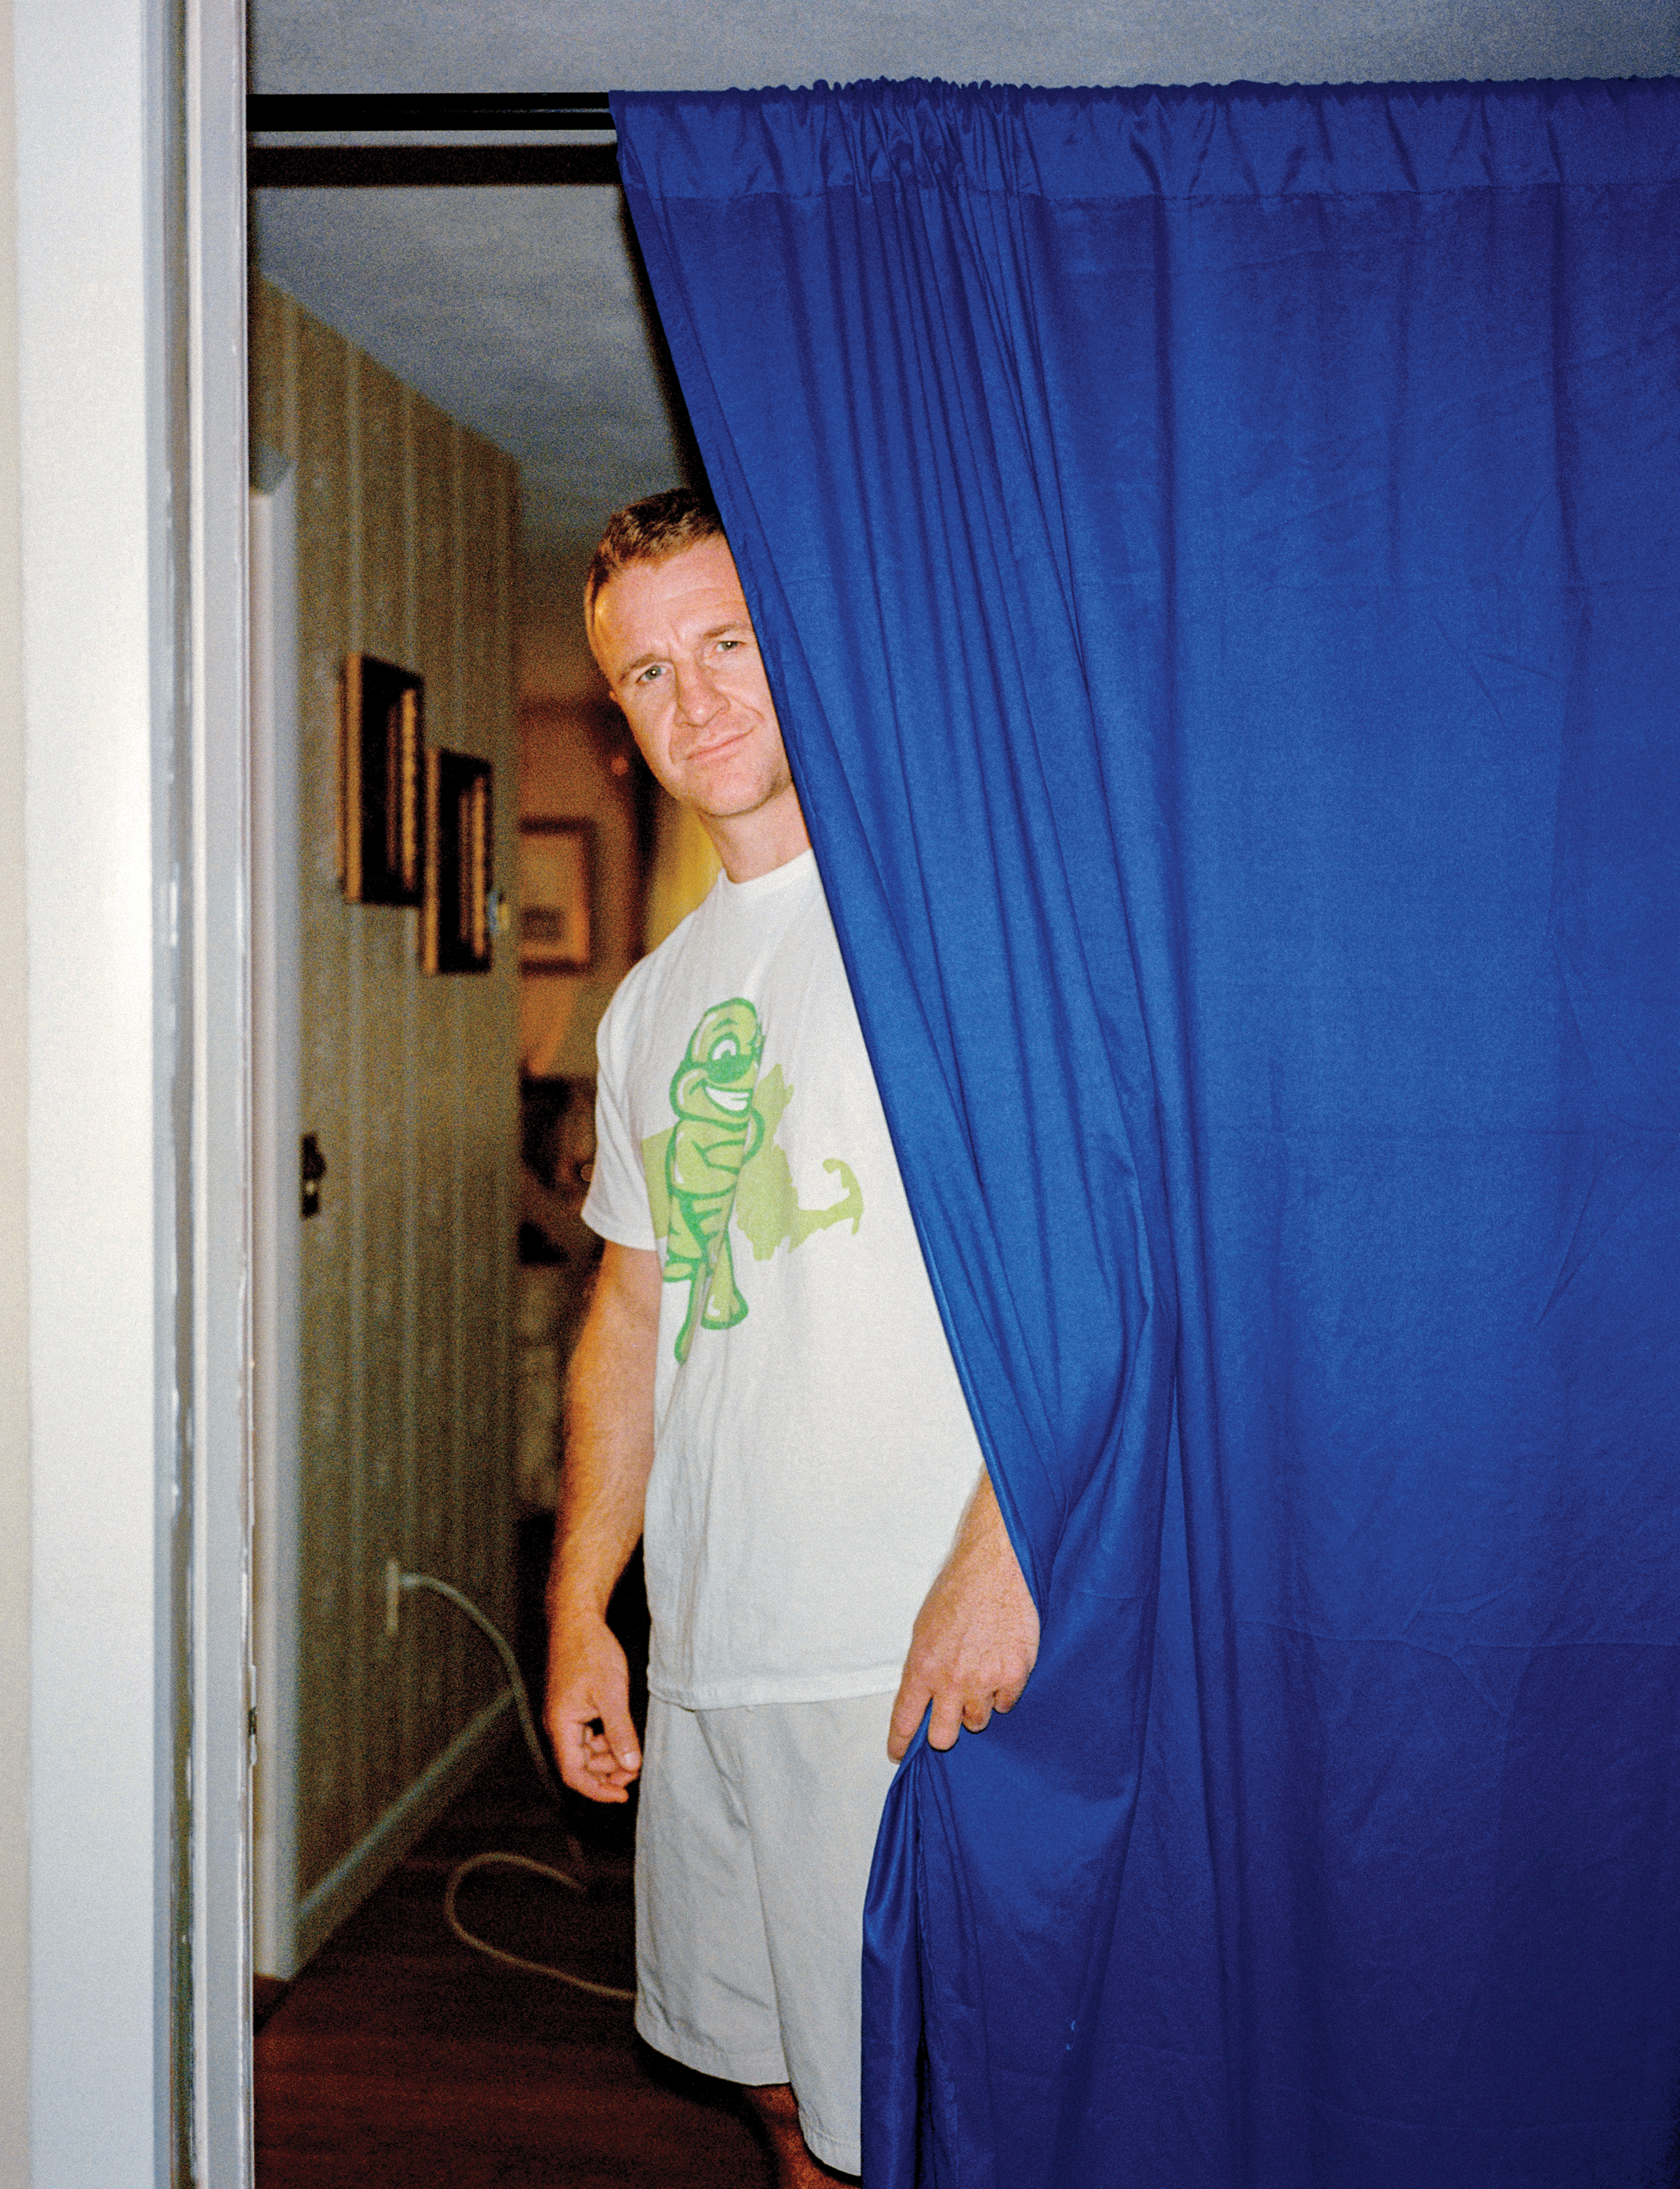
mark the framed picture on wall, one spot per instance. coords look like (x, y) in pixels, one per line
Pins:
(380, 760)
(556, 896)
(456, 917)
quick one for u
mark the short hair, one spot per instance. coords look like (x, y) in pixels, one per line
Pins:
(651, 530)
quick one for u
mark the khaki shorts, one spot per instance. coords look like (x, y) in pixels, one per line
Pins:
(755, 1832)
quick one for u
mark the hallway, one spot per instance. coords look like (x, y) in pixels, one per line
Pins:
(400, 2059)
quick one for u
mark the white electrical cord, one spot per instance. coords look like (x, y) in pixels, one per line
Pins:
(513, 1961)
(510, 1663)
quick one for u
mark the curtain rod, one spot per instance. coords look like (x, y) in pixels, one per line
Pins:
(426, 167)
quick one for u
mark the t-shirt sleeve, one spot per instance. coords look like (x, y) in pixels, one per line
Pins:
(616, 1204)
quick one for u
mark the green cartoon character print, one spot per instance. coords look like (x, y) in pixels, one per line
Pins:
(720, 1159)
(717, 1131)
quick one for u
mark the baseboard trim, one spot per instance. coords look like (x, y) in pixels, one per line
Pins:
(371, 1861)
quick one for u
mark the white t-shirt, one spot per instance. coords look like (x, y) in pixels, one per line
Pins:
(812, 1448)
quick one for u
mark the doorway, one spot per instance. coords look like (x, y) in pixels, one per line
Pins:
(414, 1335)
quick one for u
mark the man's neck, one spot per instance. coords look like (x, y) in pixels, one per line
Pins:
(749, 844)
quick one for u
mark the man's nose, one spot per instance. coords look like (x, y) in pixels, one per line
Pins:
(697, 698)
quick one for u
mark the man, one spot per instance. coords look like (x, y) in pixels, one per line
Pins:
(763, 1387)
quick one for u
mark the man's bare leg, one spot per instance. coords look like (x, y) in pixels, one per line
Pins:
(796, 2169)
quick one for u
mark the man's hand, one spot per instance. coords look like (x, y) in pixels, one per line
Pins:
(587, 1711)
(975, 1638)
(603, 1487)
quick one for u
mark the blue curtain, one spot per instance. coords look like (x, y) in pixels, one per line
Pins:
(1219, 555)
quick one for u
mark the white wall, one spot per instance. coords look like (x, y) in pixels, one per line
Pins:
(132, 815)
(97, 696)
(14, 1272)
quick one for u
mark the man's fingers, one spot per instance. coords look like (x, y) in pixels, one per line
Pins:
(943, 1726)
(952, 1712)
(573, 1749)
(1005, 1696)
(587, 1710)
(598, 1753)
(618, 1729)
(591, 1771)
(959, 1701)
(906, 1716)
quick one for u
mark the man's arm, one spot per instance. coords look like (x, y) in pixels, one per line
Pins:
(603, 1490)
(975, 1638)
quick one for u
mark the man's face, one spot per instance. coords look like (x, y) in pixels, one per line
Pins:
(677, 646)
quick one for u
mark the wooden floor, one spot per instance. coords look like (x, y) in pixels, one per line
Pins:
(400, 2059)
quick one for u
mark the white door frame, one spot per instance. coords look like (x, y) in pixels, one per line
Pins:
(276, 959)
(219, 1605)
(131, 314)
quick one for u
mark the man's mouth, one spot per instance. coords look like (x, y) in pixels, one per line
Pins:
(706, 752)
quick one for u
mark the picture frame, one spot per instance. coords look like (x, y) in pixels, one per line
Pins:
(457, 919)
(382, 748)
(556, 896)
